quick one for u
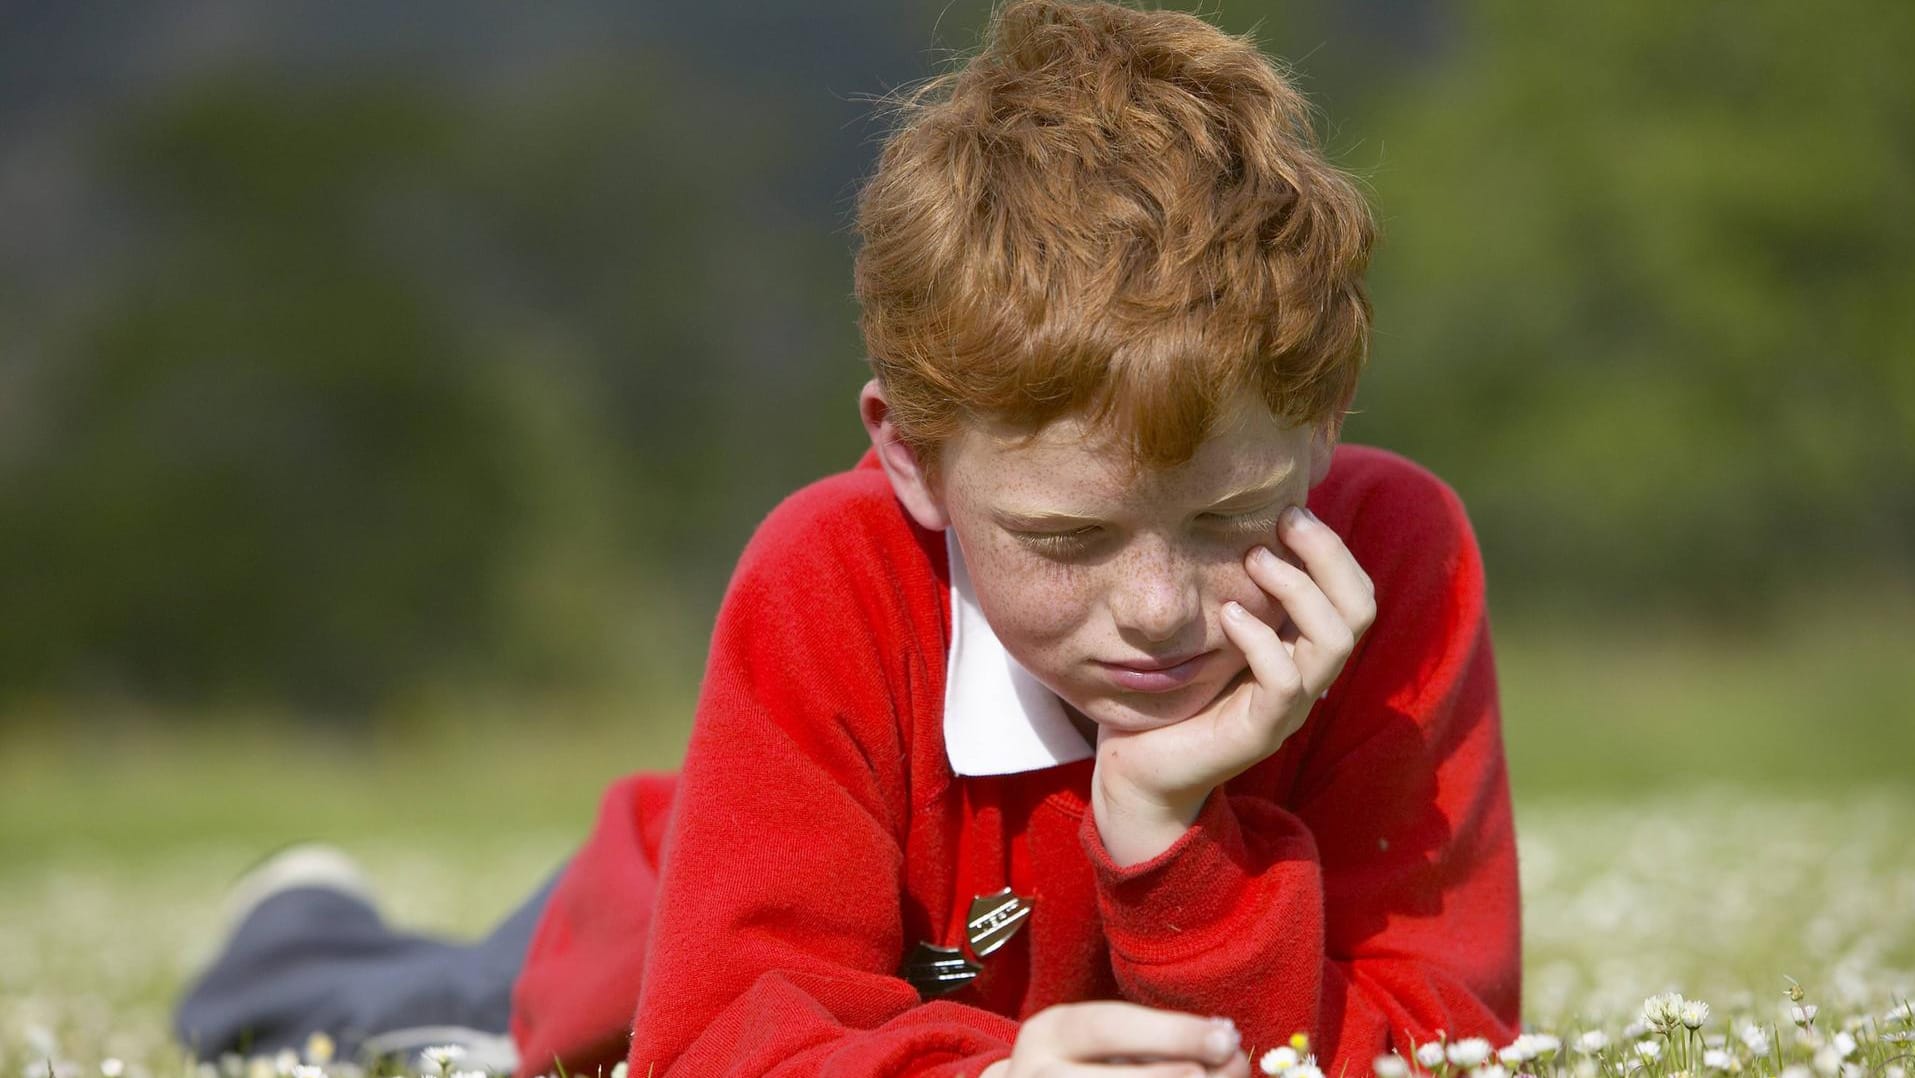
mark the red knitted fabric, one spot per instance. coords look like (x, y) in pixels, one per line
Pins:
(1360, 884)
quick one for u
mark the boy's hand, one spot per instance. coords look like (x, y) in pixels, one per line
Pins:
(1149, 785)
(1114, 1039)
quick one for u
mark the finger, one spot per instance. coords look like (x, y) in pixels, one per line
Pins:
(1324, 640)
(1104, 1029)
(1331, 565)
(1269, 660)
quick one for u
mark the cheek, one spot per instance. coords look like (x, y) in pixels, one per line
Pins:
(1230, 580)
(1030, 601)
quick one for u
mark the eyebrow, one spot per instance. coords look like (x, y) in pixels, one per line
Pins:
(1243, 498)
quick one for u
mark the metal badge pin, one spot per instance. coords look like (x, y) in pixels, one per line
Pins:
(995, 918)
(937, 971)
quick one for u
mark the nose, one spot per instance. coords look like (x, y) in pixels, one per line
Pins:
(1155, 594)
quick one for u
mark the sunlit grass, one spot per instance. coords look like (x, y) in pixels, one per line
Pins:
(1697, 813)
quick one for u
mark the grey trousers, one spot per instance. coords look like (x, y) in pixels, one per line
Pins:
(314, 959)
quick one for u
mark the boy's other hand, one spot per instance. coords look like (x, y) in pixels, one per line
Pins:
(1150, 784)
(1114, 1039)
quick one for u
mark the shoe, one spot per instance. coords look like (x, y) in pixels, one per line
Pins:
(303, 864)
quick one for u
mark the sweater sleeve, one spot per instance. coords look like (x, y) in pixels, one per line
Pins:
(1380, 904)
(778, 930)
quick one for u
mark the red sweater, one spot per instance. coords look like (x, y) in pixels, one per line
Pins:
(1360, 884)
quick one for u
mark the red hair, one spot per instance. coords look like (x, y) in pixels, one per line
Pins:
(1116, 211)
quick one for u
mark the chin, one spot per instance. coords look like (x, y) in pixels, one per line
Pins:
(1137, 712)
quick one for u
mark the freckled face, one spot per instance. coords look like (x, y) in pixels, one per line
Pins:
(1077, 564)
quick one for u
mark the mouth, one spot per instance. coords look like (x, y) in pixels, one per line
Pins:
(1155, 676)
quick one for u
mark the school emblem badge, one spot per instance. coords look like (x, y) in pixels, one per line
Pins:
(993, 920)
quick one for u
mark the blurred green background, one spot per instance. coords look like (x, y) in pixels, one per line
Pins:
(384, 397)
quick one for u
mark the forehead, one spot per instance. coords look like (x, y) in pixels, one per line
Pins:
(1071, 465)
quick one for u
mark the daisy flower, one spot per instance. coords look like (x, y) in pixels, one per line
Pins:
(1469, 1052)
(1661, 1013)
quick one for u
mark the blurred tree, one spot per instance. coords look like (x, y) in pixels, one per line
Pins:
(273, 466)
(1645, 296)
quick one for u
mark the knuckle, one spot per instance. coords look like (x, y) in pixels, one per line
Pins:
(1340, 640)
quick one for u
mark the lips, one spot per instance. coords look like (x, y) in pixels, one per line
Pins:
(1155, 664)
(1158, 676)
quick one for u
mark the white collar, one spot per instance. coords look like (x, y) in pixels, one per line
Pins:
(998, 718)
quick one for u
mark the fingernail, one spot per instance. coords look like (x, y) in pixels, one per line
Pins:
(1265, 555)
(1313, 517)
(1223, 1038)
(1294, 516)
(1233, 609)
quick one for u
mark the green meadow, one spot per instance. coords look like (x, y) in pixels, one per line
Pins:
(1698, 811)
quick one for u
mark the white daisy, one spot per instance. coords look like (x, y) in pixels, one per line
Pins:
(440, 1057)
(1390, 1066)
(1694, 1012)
(1648, 1050)
(1541, 1044)
(1592, 1041)
(1305, 1070)
(1803, 1014)
(1490, 1070)
(1756, 1038)
(1469, 1052)
(1278, 1060)
(112, 1068)
(1716, 1059)
(1662, 1012)
(1430, 1055)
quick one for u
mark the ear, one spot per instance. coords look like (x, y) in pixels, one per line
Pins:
(915, 489)
(1323, 442)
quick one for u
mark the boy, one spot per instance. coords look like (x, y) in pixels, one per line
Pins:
(1107, 715)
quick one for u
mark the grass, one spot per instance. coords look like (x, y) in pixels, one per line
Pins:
(1696, 812)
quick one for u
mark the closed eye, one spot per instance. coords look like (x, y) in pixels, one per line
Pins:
(1077, 539)
(1262, 520)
